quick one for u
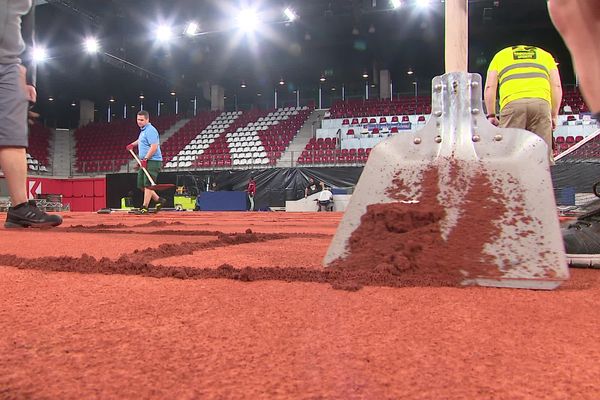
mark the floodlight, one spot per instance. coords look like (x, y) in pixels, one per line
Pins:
(50, 98)
(164, 33)
(173, 93)
(243, 85)
(365, 75)
(290, 14)
(112, 100)
(281, 81)
(192, 29)
(247, 20)
(39, 55)
(322, 78)
(410, 71)
(91, 45)
(423, 3)
(396, 3)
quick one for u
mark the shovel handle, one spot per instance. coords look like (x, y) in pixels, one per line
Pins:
(457, 35)
(143, 169)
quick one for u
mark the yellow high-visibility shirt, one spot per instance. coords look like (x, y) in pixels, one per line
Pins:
(523, 72)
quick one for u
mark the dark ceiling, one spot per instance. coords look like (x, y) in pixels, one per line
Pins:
(321, 41)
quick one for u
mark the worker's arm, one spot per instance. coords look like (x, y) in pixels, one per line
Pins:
(489, 96)
(556, 89)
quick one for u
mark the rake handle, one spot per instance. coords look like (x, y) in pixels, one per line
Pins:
(457, 35)
(143, 169)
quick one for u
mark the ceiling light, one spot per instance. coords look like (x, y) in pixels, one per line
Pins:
(410, 71)
(192, 29)
(50, 98)
(91, 45)
(365, 75)
(112, 100)
(164, 33)
(281, 81)
(173, 93)
(290, 14)
(243, 85)
(423, 4)
(396, 3)
(247, 20)
(322, 78)
(39, 55)
(141, 97)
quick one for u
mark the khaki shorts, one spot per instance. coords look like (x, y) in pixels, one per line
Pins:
(13, 108)
(531, 114)
(153, 169)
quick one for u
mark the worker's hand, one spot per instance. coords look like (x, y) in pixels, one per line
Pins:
(144, 163)
(494, 121)
(129, 147)
(32, 116)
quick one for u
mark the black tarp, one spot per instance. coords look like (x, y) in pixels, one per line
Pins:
(273, 185)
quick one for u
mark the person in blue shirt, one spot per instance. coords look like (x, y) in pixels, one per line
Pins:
(148, 144)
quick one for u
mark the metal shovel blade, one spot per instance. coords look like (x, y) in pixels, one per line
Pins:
(459, 198)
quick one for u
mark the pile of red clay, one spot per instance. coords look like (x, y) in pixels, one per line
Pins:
(404, 239)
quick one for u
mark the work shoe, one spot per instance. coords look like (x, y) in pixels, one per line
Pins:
(582, 241)
(159, 203)
(27, 215)
(143, 210)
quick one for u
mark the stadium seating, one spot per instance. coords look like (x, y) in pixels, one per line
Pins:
(352, 109)
(242, 139)
(573, 103)
(39, 146)
(202, 150)
(184, 138)
(355, 126)
(100, 146)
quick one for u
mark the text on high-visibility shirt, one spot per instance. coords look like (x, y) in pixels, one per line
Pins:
(523, 72)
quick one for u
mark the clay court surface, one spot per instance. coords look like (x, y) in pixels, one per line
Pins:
(237, 305)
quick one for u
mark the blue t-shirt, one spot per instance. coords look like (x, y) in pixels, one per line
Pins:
(149, 136)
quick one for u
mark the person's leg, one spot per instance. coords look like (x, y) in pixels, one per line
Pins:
(251, 198)
(578, 21)
(513, 115)
(539, 121)
(13, 162)
(144, 183)
(148, 195)
(13, 132)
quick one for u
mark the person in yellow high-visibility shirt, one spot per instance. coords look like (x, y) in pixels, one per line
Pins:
(530, 91)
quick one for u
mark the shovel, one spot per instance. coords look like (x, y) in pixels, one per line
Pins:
(153, 186)
(460, 200)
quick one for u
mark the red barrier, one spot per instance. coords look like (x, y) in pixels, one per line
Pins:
(87, 194)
